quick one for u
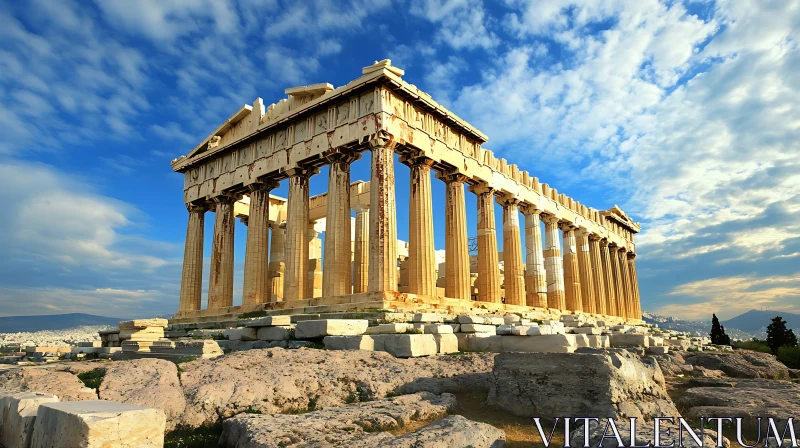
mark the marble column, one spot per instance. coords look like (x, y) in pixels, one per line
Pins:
(553, 265)
(587, 278)
(336, 275)
(572, 280)
(277, 263)
(256, 265)
(608, 278)
(361, 250)
(637, 301)
(314, 278)
(382, 218)
(619, 289)
(535, 273)
(192, 277)
(220, 284)
(514, 270)
(626, 282)
(457, 280)
(598, 274)
(421, 252)
(488, 258)
(296, 239)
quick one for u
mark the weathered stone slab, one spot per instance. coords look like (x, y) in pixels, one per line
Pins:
(586, 330)
(660, 350)
(281, 333)
(478, 328)
(438, 329)
(271, 321)
(18, 415)
(312, 329)
(453, 431)
(147, 334)
(466, 319)
(630, 340)
(504, 329)
(142, 323)
(446, 343)
(406, 345)
(599, 341)
(98, 424)
(362, 342)
(524, 330)
(240, 334)
(401, 327)
(427, 317)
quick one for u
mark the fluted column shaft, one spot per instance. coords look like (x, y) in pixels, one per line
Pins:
(336, 270)
(553, 265)
(296, 239)
(619, 292)
(608, 278)
(598, 274)
(626, 283)
(457, 280)
(488, 259)
(192, 276)
(382, 218)
(277, 263)
(572, 280)
(535, 273)
(361, 251)
(421, 252)
(637, 309)
(256, 286)
(587, 274)
(512, 254)
(220, 284)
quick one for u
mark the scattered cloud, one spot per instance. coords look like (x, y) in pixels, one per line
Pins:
(463, 24)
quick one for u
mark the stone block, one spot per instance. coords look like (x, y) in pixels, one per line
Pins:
(388, 328)
(427, 317)
(406, 345)
(281, 333)
(655, 341)
(456, 327)
(362, 342)
(510, 319)
(98, 424)
(478, 328)
(504, 329)
(494, 320)
(18, 415)
(552, 343)
(240, 334)
(586, 330)
(147, 334)
(599, 341)
(142, 323)
(582, 340)
(446, 343)
(630, 340)
(90, 344)
(271, 321)
(312, 329)
(466, 319)
(438, 329)
(658, 350)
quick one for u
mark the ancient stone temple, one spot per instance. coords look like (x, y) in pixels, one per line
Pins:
(577, 259)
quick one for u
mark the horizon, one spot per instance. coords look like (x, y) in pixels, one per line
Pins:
(682, 113)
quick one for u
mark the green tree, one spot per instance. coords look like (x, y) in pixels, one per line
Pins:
(779, 336)
(717, 334)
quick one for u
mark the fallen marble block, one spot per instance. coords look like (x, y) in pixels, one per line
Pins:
(437, 329)
(478, 328)
(446, 343)
(401, 327)
(406, 345)
(270, 321)
(362, 342)
(240, 334)
(630, 340)
(280, 333)
(466, 319)
(427, 317)
(312, 329)
(142, 323)
(18, 416)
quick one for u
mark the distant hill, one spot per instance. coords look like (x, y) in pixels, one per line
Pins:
(754, 320)
(13, 324)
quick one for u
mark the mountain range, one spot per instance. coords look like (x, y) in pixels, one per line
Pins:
(752, 324)
(14, 324)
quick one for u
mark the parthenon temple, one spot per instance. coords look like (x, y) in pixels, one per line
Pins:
(577, 258)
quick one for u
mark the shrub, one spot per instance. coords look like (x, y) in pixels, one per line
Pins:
(92, 378)
(754, 345)
(205, 436)
(790, 356)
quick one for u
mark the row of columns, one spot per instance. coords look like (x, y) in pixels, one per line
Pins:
(591, 275)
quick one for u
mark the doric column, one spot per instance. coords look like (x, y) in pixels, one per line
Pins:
(596, 265)
(382, 218)
(608, 278)
(587, 277)
(637, 301)
(421, 252)
(488, 263)
(336, 271)
(277, 263)
(535, 273)
(220, 284)
(572, 280)
(553, 266)
(512, 253)
(457, 280)
(296, 242)
(192, 278)
(361, 250)
(619, 288)
(256, 265)
(626, 282)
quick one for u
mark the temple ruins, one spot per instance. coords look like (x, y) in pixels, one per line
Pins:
(583, 262)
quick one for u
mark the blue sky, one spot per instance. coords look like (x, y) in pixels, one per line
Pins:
(683, 113)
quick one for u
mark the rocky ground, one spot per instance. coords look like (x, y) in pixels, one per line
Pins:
(310, 397)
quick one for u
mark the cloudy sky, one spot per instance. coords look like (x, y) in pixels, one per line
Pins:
(686, 114)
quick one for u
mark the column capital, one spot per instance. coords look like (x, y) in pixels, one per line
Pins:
(197, 207)
(225, 199)
(631, 255)
(506, 199)
(550, 219)
(567, 226)
(360, 208)
(381, 140)
(622, 249)
(595, 237)
(529, 209)
(301, 171)
(263, 185)
(414, 159)
(452, 176)
(481, 188)
(341, 155)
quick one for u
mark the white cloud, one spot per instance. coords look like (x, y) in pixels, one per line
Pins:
(463, 24)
